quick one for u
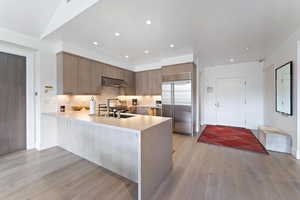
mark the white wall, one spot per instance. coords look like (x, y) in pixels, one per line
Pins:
(250, 72)
(286, 52)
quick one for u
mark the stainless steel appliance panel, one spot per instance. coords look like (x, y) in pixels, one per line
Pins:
(183, 119)
(177, 104)
(167, 100)
(182, 109)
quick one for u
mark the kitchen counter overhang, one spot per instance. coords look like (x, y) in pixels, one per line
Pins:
(138, 148)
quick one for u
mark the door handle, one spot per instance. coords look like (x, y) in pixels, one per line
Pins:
(217, 104)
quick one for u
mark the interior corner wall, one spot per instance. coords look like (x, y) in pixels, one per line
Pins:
(46, 133)
(286, 52)
(250, 72)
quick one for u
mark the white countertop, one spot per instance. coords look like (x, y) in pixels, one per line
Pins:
(147, 106)
(137, 123)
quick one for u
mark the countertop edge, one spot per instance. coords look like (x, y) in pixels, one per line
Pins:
(58, 115)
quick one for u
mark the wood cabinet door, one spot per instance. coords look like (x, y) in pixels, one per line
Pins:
(142, 83)
(129, 78)
(113, 72)
(155, 79)
(84, 76)
(138, 83)
(96, 77)
(107, 72)
(69, 74)
(119, 73)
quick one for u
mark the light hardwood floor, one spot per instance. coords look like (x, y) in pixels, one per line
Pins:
(200, 172)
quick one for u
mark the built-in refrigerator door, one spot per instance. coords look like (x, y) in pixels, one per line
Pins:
(182, 114)
(167, 99)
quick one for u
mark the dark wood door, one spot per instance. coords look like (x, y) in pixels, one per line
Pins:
(12, 103)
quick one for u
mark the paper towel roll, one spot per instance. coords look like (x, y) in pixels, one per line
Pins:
(92, 106)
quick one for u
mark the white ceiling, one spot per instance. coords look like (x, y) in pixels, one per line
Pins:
(215, 30)
(27, 16)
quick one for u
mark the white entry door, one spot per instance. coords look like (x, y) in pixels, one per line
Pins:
(230, 101)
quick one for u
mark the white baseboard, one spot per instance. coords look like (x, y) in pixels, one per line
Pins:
(295, 154)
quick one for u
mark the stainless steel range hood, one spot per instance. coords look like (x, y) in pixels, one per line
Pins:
(115, 83)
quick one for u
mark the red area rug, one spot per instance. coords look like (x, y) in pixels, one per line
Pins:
(238, 138)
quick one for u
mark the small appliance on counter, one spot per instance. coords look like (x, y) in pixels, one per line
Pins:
(62, 108)
(158, 103)
(134, 102)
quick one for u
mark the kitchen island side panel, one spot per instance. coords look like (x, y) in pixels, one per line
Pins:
(113, 149)
(155, 155)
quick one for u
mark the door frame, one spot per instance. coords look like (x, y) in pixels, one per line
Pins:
(244, 97)
(30, 89)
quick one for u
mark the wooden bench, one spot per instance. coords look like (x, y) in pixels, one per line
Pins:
(275, 140)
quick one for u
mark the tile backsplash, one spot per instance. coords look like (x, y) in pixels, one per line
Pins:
(142, 100)
(83, 100)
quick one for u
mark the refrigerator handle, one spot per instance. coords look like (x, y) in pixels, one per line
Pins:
(173, 100)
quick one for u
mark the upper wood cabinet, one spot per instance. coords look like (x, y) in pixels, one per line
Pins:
(77, 75)
(178, 72)
(129, 78)
(148, 82)
(155, 82)
(142, 83)
(96, 77)
(67, 73)
(84, 76)
(113, 72)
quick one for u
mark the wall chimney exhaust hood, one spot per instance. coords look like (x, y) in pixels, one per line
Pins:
(111, 82)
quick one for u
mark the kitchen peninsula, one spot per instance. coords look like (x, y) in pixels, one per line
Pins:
(138, 147)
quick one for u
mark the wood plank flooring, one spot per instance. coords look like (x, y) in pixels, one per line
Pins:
(200, 172)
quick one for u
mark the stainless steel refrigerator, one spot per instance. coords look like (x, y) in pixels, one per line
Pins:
(177, 103)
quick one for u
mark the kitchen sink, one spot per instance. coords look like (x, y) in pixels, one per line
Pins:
(126, 116)
(121, 116)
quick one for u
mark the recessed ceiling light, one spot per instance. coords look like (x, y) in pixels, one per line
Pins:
(117, 34)
(172, 45)
(231, 60)
(146, 51)
(96, 43)
(247, 48)
(148, 22)
(126, 56)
